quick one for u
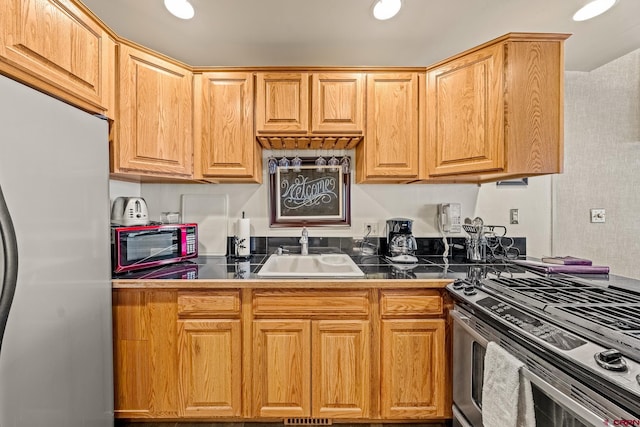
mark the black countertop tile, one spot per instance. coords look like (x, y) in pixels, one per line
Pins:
(373, 266)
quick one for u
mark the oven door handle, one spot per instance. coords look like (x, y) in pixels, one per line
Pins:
(562, 399)
(462, 320)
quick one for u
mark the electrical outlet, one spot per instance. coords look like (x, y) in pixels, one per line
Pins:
(374, 229)
(597, 215)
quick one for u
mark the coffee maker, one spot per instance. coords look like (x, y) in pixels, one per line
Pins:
(401, 243)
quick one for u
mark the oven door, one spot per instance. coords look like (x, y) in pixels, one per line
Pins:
(468, 370)
(552, 407)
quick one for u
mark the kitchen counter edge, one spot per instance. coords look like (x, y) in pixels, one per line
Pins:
(281, 283)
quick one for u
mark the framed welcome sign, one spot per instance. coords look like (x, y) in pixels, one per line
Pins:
(310, 195)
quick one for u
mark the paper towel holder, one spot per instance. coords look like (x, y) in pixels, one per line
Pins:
(241, 241)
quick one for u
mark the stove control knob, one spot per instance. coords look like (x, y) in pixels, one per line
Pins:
(638, 378)
(611, 360)
(469, 290)
(458, 284)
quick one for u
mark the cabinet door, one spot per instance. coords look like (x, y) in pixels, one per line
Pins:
(54, 45)
(155, 117)
(341, 369)
(337, 103)
(145, 354)
(210, 368)
(393, 136)
(282, 103)
(413, 369)
(223, 126)
(465, 114)
(282, 368)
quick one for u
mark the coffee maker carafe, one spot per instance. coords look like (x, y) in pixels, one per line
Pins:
(401, 243)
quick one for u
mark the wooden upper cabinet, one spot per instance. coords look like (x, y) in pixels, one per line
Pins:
(337, 103)
(225, 146)
(497, 111)
(155, 116)
(464, 111)
(282, 103)
(286, 105)
(394, 136)
(55, 46)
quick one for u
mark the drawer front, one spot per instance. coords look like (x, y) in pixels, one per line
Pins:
(203, 304)
(410, 303)
(311, 303)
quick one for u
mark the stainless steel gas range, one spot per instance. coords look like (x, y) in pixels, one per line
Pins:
(579, 341)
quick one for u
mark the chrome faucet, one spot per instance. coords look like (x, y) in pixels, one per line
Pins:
(304, 242)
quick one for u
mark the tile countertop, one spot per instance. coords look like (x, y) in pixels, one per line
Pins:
(430, 271)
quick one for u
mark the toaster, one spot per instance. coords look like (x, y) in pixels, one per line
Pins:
(129, 211)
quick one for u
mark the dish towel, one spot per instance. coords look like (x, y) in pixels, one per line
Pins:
(507, 399)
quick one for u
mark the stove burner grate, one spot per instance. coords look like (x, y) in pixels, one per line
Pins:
(538, 282)
(560, 291)
(615, 317)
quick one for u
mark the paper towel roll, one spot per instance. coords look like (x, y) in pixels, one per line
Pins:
(244, 237)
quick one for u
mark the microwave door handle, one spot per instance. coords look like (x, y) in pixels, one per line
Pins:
(581, 412)
(461, 320)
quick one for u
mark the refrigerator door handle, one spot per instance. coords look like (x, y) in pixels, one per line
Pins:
(10, 276)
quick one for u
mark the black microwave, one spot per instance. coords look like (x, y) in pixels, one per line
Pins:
(145, 246)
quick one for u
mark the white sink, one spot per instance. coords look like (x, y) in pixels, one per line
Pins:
(310, 266)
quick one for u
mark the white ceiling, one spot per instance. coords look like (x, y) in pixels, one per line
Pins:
(344, 33)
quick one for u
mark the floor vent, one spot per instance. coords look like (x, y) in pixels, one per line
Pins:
(307, 421)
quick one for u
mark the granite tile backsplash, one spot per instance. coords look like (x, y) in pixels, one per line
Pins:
(427, 246)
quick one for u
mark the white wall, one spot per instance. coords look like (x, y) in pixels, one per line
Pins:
(123, 188)
(602, 166)
(534, 205)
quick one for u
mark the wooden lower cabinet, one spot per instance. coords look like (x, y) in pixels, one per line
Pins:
(311, 368)
(256, 354)
(145, 354)
(210, 368)
(281, 368)
(414, 383)
(340, 363)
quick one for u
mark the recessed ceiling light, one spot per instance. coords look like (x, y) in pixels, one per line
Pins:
(180, 8)
(386, 9)
(593, 9)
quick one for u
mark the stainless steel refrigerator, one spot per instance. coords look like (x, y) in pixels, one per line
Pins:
(56, 351)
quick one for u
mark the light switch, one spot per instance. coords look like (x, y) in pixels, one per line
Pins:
(514, 216)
